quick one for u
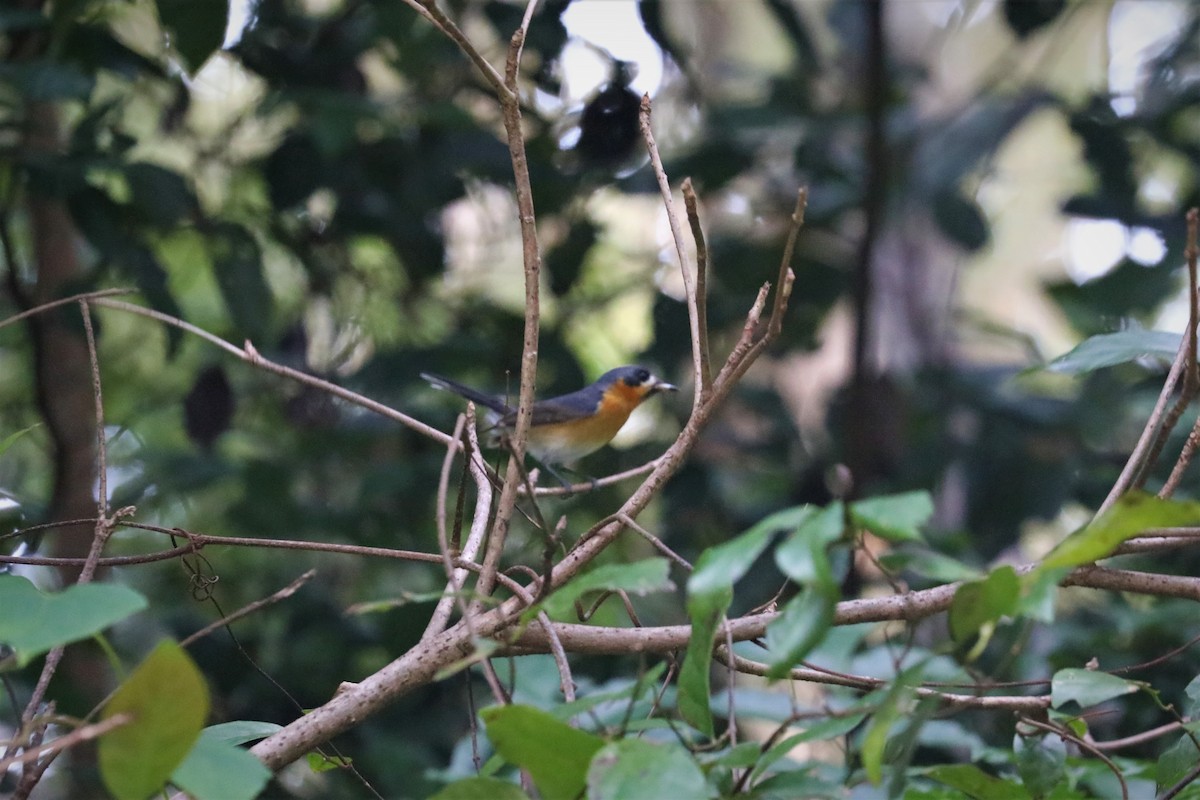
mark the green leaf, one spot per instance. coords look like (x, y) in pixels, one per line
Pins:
(1109, 349)
(960, 219)
(168, 701)
(896, 517)
(555, 754)
(11, 439)
(1087, 687)
(47, 81)
(821, 731)
(240, 731)
(162, 195)
(481, 789)
(802, 556)
(1175, 762)
(1040, 766)
(1191, 708)
(710, 591)
(320, 762)
(633, 769)
(1129, 516)
(640, 577)
(237, 262)
(197, 27)
(932, 565)
(218, 770)
(894, 702)
(977, 784)
(34, 622)
(983, 603)
(800, 627)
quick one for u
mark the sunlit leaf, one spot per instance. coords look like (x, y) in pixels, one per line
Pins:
(168, 700)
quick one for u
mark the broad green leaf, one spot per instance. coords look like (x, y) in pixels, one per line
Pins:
(977, 784)
(1175, 762)
(168, 699)
(1109, 349)
(481, 789)
(555, 754)
(240, 731)
(1132, 514)
(640, 577)
(34, 622)
(720, 567)
(983, 603)
(1129, 516)
(633, 769)
(896, 517)
(1087, 687)
(710, 591)
(218, 770)
(800, 627)
(197, 27)
(802, 556)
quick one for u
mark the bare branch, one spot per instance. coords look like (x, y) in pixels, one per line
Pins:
(689, 282)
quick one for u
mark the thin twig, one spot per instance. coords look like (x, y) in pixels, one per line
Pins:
(77, 736)
(560, 658)
(1140, 460)
(430, 10)
(658, 544)
(1063, 733)
(456, 576)
(691, 205)
(250, 608)
(689, 283)
(252, 356)
(75, 298)
(531, 260)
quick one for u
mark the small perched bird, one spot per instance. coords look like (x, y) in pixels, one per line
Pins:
(566, 428)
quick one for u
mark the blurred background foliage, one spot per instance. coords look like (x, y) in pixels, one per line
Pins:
(329, 180)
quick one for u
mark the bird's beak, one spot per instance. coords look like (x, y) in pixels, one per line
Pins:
(663, 386)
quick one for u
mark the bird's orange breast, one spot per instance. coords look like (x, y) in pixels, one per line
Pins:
(564, 442)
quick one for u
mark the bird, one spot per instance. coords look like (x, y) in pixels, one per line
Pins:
(566, 428)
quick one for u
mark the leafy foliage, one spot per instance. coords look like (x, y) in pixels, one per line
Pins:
(334, 188)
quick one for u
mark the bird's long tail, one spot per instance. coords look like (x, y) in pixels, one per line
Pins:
(474, 395)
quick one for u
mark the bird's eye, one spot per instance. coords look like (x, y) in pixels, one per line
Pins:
(641, 376)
